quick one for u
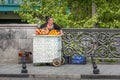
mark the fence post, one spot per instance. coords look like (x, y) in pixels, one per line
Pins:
(23, 60)
(95, 69)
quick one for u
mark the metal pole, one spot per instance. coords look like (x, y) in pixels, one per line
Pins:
(23, 59)
(95, 69)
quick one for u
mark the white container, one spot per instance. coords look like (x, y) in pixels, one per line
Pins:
(46, 48)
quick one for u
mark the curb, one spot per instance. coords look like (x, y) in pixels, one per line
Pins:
(95, 76)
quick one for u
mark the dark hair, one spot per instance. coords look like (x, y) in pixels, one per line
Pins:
(47, 18)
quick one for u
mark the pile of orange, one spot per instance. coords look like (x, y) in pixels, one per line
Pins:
(41, 32)
(54, 32)
(46, 32)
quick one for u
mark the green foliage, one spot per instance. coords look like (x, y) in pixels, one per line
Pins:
(34, 11)
(2, 2)
(80, 15)
(108, 13)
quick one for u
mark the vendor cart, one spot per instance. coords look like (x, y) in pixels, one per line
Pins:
(47, 49)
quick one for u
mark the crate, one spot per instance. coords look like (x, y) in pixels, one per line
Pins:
(79, 59)
(46, 48)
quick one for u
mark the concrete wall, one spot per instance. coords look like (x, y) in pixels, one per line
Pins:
(13, 38)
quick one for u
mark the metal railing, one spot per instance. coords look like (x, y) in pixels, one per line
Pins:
(103, 43)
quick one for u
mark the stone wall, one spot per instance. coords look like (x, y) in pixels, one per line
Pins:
(13, 38)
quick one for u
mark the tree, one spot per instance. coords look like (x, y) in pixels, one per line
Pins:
(108, 13)
(34, 11)
(72, 13)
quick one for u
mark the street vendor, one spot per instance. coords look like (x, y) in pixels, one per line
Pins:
(50, 25)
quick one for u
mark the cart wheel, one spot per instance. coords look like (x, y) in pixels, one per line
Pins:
(56, 62)
(62, 60)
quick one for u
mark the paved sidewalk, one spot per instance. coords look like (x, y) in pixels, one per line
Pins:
(64, 72)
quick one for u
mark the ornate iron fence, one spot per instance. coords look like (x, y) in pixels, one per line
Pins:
(103, 43)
